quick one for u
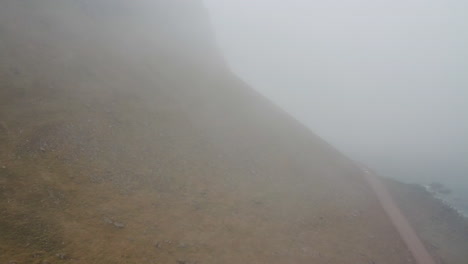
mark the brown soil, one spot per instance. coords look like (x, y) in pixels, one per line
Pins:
(143, 153)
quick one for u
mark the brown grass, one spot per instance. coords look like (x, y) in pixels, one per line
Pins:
(195, 165)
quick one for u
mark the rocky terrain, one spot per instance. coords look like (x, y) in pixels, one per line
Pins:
(124, 138)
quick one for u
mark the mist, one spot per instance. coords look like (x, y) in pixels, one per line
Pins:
(183, 132)
(383, 81)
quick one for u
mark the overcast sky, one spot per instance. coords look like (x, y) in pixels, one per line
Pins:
(385, 81)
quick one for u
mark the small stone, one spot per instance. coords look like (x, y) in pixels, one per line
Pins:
(107, 220)
(37, 255)
(62, 256)
(182, 245)
(119, 225)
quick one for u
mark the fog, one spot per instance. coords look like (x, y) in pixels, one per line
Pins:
(383, 81)
(126, 137)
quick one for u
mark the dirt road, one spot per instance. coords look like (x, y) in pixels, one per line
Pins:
(407, 233)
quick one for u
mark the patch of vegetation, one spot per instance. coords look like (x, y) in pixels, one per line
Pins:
(24, 223)
(28, 230)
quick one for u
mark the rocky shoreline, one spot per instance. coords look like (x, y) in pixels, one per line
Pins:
(445, 201)
(443, 228)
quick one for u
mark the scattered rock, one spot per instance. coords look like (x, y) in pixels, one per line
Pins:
(183, 245)
(355, 213)
(37, 254)
(107, 220)
(62, 256)
(119, 225)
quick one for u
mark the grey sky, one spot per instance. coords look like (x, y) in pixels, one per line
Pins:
(384, 81)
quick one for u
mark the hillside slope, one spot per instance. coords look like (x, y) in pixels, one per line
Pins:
(125, 139)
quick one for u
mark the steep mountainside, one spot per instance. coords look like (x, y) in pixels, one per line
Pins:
(125, 139)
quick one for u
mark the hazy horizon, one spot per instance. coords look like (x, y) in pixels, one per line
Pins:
(385, 82)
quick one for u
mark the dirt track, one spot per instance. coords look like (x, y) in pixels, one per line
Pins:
(407, 233)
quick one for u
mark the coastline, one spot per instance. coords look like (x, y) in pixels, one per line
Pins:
(442, 227)
(445, 201)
